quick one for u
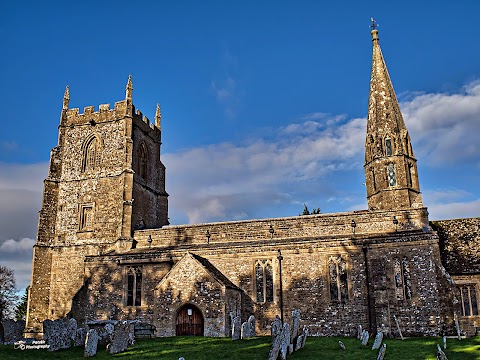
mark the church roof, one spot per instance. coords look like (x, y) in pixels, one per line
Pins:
(217, 274)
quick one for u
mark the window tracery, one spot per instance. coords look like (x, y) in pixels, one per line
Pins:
(264, 281)
(134, 286)
(337, 271)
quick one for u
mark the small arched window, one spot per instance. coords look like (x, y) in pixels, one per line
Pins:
(91, 154)
(264, 281)
(388, 147)
(142, 161)
(134, 286)
(337, 272)
(402, 279)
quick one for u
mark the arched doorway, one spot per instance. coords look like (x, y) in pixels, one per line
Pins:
(189, 321)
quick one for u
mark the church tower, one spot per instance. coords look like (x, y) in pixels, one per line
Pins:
(390, 165)
(105, 180)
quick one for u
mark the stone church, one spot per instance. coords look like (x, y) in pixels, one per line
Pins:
(105, 249)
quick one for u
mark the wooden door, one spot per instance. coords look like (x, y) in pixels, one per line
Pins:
(189, 321)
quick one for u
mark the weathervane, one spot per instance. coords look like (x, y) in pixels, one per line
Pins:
(374, 24)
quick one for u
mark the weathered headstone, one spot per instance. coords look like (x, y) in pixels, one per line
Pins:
(285, 341)
(252, 323)
(57, 334)
(342, 345)
(290, 349)
(80, 335)
(359, 332)
(12, 330)
(248, 328)
(295, 324)
(365, 337)
(276, 327)
(440, 354)
(236, 328)
(72, 329)
(131, 334)
(444, 342)
(305, 334)
(275, 349)
(381, 352)
(91, 343)
(378, 341)
(120, 338)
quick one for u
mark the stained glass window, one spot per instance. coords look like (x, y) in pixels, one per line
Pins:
(468, 300)
(264, 281)
(337, 272)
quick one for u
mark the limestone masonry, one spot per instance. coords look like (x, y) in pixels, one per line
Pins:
(105, 249)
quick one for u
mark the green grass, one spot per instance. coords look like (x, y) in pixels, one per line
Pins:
(204, 348)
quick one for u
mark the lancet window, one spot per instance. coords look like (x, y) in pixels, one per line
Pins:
(388, 147)
(142, 161)
(134, 286)
(402, 279)
(91, 154)
(337, 272)
(86, 217)
(264, 281)
(391, 175)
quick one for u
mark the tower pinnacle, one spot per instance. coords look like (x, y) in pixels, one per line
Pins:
(158, 117)
(66, 98)
(390, 166)
(129, 88)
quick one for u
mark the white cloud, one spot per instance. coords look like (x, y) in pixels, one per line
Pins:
(445, 127)
(451, 204)
(11, 246)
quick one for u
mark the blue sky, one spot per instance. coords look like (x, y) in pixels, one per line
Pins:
(263, 102)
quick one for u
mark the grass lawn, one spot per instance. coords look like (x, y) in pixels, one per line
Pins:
(204, 348)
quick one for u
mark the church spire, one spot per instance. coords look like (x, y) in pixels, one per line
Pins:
(66, 98)
(129, 88)
(158, 117)
(390, 166)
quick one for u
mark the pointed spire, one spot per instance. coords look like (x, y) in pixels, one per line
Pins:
(66, 98)
(129, 88)
(158, 117)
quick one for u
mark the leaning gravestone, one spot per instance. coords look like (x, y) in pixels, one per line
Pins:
(305, 334)
(12, 330)
(285, 341)
(342, 345)
(295, 324)
(381, 353)
(276, 327)
(236, 328)
(378, 341)
(298, 343)
(120, 338)
(276, 345)
(440, 354)
(91, 343)
(365, 337)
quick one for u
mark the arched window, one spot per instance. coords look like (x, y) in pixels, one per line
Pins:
(388, 146)
(337, 272)
(467, 295)
(134, 286)
(91, 154)
(391, 175)
(142, 161)
(264, 281)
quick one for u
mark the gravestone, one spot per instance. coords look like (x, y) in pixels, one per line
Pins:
(236, 328)
(72, 329)
(276, 327)
(440, 354)
(295, 324)
(342, 345)
(365, 337)
(252, 323)
(398, 327)
(299, 342)
(285, 341)
(457, 326)
(12, 331)
(131, 334)
(381, 352)
(276, 345)
(378, 341)
(80, 336)
(120, 338)
(58, 333)
(305, 334)
(91, 343)
(248, 328)
(444, 342)
(359, 332)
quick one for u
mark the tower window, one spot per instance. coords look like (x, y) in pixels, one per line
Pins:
(264, 281)
(391, 176)
(86, 217)
(468, 299)
(337, 271)
(91, 154)
(388, 147)
(134, 286)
